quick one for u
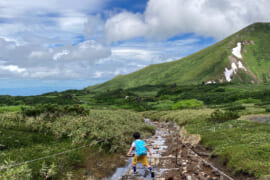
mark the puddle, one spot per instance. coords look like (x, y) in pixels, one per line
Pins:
(157, 146)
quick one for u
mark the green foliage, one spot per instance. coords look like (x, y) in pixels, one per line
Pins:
(161, 105)
(235, 107)
(22, 172)
(248, 100)
(56, 110)
(267, 109)
(181, 117)
(47, 171)
(29, 138)
(108, 129)
(74, 157)
(190, 103)
(219, 117)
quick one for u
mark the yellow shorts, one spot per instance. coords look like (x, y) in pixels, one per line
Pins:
(140, 159)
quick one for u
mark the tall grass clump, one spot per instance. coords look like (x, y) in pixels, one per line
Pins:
(187, 104)
(219, 117)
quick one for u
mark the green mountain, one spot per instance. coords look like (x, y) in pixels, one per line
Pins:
(241, 57)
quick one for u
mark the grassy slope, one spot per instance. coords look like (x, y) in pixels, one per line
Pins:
(207, 64)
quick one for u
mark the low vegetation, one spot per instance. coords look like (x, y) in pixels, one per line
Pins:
(42, 125)
(25, 135)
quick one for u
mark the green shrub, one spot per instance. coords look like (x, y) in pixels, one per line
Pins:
(235, 107)
(54, 110)
(267, 109)
(19, 172)
(219, 117)
(248, 100)
(189, 103)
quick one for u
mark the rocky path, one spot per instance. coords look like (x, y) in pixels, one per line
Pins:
(171, 160)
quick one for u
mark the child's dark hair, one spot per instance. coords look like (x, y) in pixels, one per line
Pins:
(136, 135)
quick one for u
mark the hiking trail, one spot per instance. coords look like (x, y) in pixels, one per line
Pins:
(171, 159)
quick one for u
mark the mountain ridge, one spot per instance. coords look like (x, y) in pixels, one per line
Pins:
(217, 63)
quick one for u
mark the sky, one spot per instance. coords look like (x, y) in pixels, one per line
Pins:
(68, 44)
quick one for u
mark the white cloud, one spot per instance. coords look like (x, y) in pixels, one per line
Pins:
(124, 26)
(60, 54)
(163, 18)
(36, 54)
(28, 61)
(13, 68)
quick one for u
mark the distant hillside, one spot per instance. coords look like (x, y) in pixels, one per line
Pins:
(242, 57)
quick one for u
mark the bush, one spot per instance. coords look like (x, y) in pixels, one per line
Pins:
(219, 117)
(267, 109)
(19, 172)
(190, 103)
(235, 107)
(249, 100)
(53, 109)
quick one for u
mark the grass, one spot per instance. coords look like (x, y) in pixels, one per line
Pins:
(28, 138)
(189, 103)
(10, 109)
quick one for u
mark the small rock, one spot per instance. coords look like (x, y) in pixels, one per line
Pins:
(156, 147)
(216, 173)
(189, 178)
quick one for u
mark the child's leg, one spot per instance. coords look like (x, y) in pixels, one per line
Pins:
(134, 168)
(134, 162)
(149, 167)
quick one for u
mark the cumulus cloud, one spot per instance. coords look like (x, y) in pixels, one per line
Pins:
(163, 18)
(28, 61)
(124, 26)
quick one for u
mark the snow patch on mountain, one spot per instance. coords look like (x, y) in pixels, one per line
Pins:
(237, 51)
(229, 72)
(211, 82)
(241, 66)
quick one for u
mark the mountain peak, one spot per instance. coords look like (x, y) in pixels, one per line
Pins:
(242, 57)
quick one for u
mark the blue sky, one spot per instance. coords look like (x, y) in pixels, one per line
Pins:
(66, 44)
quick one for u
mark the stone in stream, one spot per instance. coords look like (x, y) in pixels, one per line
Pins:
(215, 172)
(156, 146)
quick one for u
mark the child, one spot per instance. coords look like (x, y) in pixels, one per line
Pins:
(141, 153)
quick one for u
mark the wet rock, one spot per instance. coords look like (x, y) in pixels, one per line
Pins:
(216, 173)
(156, 147)
(198, 167)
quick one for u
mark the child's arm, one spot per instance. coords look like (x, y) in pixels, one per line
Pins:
(150, 154)
(130, 149)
